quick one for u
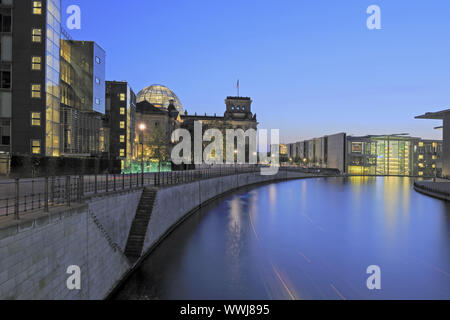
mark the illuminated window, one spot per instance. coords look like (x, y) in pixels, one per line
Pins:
(434, 157)
(421, 165)
(122, 97)
(420, 156)
(36, 91)
(122, 111)
(122, 124)
(36, 119)
(420, 173)
(421, 144)
(122, 152)
(36, 146)
(98, 60)
(122, 139)
(36, 63)
(36, 35)
(433, 166)
(37, 7)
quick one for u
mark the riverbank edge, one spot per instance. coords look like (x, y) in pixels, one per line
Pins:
(120, 284)
(441, 195)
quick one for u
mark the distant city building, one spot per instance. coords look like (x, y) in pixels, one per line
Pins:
(390, 155)
(121, 114)
(159, 107)
(238, 115)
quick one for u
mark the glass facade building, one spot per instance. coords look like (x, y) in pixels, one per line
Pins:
(82, 98)
(52, 60)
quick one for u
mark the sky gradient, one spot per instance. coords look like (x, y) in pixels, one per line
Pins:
(311, 67)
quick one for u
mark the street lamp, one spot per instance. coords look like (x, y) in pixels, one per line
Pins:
(142, 128)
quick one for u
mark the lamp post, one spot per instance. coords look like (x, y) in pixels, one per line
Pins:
(141, 140)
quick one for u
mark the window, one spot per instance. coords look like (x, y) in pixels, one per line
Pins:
(122, 152)
(36, 35)
(98, 60)
(420, 156)
(5, 79)
(36, 146)
(122, 139)
(35, 63)
(37, 7)
(36, 119)
(420, 144)
(122, 97)
(420, 173)
(97, 101)
(122, 124)
(5, 21)
(97, 80)
(434, 157)
(36, 91)
(122, 111)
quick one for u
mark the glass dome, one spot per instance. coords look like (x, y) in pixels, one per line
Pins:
(160, 97)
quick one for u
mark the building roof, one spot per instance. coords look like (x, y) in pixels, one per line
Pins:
(160, 96)
(146, 107)
(434, 115)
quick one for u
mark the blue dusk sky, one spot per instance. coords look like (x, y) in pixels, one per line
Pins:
(311, 67)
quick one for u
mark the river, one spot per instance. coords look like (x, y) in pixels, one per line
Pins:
(305, 239)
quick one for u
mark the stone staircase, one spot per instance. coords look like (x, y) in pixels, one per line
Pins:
(138, 231)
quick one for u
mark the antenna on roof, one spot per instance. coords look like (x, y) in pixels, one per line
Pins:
(237, 88)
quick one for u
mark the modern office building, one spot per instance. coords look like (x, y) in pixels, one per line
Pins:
(30, 64)
(121, 113)
(443, 115)
(325, 152)
(388, 155)
(82, 86)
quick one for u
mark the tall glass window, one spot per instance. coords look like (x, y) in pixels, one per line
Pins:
(53, 32)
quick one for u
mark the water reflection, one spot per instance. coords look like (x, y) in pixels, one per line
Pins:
(308, 239)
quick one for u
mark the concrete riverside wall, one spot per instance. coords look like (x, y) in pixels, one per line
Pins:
(36, 251)
(438, 189)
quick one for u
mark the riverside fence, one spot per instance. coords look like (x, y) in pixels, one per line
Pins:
(22, 196)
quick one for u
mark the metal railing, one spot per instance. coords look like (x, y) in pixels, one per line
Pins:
(442, 188)
(21, 196)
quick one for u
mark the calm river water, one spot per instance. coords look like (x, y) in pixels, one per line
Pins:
(305, 239)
